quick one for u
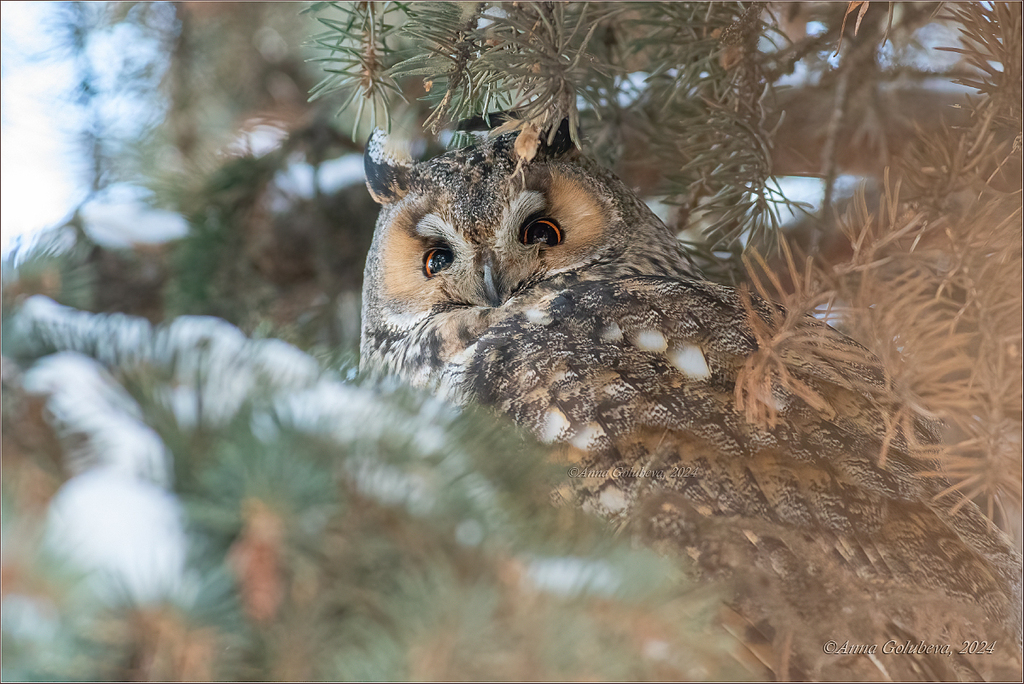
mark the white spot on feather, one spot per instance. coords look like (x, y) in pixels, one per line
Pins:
(537, 316)
(690, 360)
(555, 423)
(612, 333)
(587, 436)
(651, 340)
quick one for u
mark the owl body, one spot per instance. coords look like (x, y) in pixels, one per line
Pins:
(529, 279)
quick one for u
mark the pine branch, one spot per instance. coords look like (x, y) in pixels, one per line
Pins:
(359, 57)
(693, 69)
(357, 515)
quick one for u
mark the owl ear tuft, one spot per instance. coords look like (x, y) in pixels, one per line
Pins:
(532, 143)
(558, 142)
(486, 122)
(388, 165)
(549, 143)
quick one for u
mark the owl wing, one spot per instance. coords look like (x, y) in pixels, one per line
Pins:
(638, 378)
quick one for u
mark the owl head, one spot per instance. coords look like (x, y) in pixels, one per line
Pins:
(464, 234)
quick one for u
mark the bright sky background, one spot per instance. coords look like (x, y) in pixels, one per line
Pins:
(42, 171)
(46, 162)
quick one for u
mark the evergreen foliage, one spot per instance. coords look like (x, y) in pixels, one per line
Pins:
(335, 529)
(331, 526)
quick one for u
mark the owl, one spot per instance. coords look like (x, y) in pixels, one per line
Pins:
(518, 274)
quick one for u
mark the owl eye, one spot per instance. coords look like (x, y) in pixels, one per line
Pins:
(436, 260)
(541, 231)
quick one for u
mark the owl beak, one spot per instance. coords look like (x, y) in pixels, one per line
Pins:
(491, 292)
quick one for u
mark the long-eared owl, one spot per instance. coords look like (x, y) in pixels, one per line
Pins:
(518, 274)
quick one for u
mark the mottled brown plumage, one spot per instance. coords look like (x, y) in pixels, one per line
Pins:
(611, 346)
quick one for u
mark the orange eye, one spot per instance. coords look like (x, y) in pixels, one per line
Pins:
(541, 231)
(436, 260)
